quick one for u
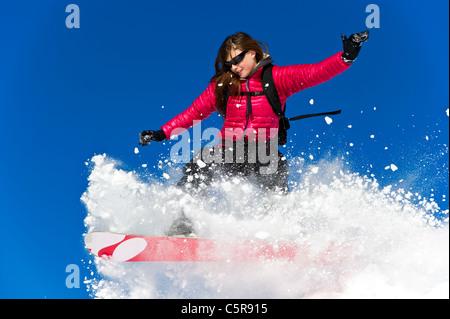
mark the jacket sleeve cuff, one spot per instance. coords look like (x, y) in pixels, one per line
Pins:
(347, 62)
(166, 131)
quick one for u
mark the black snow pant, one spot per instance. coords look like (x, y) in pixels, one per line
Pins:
(257, 163)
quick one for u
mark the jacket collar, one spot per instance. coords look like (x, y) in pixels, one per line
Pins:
(267, 60)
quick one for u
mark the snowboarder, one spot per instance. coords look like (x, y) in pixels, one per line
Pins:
(252, 129)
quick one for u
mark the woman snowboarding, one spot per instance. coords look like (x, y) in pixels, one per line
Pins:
(250, 93)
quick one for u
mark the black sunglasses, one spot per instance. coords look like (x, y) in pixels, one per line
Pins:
(236, 60)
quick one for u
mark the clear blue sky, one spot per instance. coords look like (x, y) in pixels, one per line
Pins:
(67, 94)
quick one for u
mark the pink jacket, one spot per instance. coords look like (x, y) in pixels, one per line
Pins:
(288, 80)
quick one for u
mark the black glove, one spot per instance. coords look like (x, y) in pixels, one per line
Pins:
(352, 45)
(145, 137)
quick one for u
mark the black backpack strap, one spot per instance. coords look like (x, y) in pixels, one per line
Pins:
(301, 117)
(270, 90)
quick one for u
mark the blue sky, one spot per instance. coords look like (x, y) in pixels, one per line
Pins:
(68, 94)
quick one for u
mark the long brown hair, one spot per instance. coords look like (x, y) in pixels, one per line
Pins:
(224, 78)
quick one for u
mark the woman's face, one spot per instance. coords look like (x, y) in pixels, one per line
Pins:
(246, 66)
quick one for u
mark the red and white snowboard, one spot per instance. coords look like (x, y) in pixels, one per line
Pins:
(121, 247)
